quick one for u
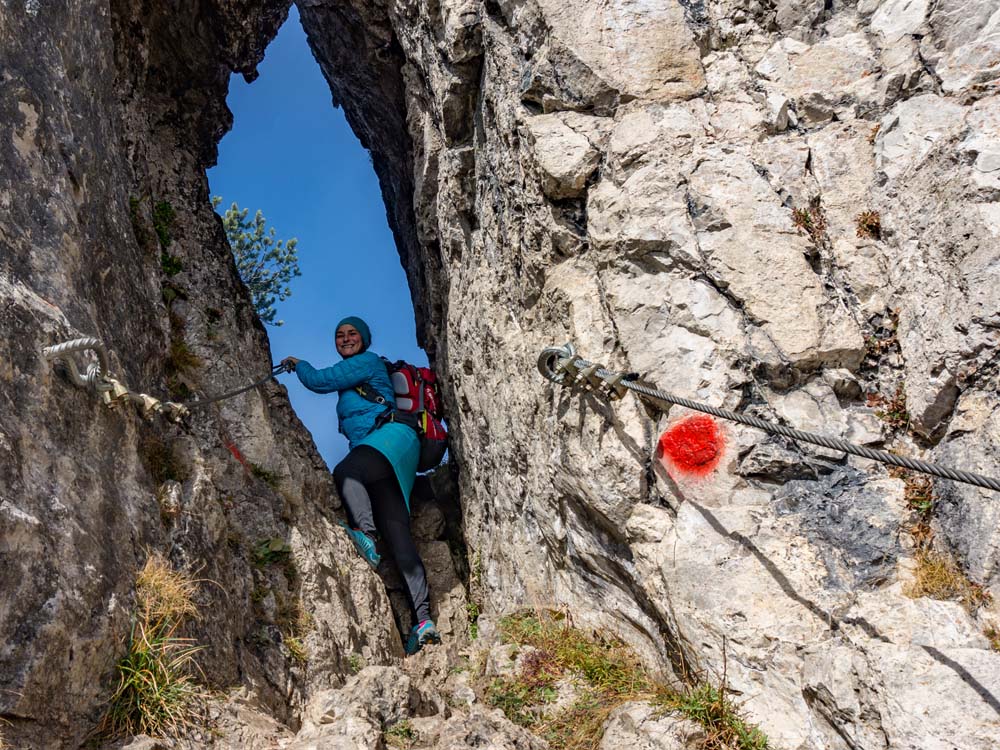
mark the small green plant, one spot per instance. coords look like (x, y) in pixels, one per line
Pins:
(891, 410)
(869, 225)
(399, 735)
(270, 551)
(919, 495)
(270, 478)
(163, 222)
(171, 292)
(355, 663)
(472, 610)
(811, 220)
(171, 265)
(294, 618)
(156, 694)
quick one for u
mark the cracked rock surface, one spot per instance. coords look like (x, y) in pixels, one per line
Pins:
(674, 187)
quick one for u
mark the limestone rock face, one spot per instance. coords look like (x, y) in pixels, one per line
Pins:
(678, 189)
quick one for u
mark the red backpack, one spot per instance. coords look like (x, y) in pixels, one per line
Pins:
(418, 404)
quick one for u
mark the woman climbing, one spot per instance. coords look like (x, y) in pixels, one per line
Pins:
(376, 476)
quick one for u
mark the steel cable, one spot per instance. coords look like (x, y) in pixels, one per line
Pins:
(98, 378)
(553, 365)
(275, 370)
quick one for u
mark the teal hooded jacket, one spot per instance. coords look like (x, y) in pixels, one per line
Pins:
(356, 414)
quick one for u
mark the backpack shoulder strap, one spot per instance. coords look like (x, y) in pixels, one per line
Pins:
(370, 394)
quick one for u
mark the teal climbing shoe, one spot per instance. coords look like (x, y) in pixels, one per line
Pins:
(420, 634)
(364, 544)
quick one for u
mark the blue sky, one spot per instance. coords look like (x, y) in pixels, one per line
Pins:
(294, 157)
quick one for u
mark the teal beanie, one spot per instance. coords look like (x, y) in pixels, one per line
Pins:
(361, 326)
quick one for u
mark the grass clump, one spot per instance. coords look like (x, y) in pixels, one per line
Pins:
(937, 576)
(355, 663)
(399, 735)
(163, 222)
(605, 674)
(710, 707)
(869, 225)
(295, 622)
(182, 359)
(161, 460)
(296, 649)
(993, 636)
(156, 694)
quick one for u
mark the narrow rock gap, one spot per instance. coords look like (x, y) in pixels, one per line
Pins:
(436, 511)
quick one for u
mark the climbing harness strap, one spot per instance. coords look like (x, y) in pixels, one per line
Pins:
(561, 366)
(97, 378)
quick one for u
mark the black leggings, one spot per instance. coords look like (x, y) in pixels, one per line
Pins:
(368, 486)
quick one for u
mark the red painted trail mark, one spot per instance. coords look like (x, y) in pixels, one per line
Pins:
(694, 446)
(236, 454)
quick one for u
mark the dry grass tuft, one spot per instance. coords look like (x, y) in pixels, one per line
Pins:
(606, 674)
(937, 576)
(156, 694)
(164, 594)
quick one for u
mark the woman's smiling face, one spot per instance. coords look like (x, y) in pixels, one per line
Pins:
(348, 341)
